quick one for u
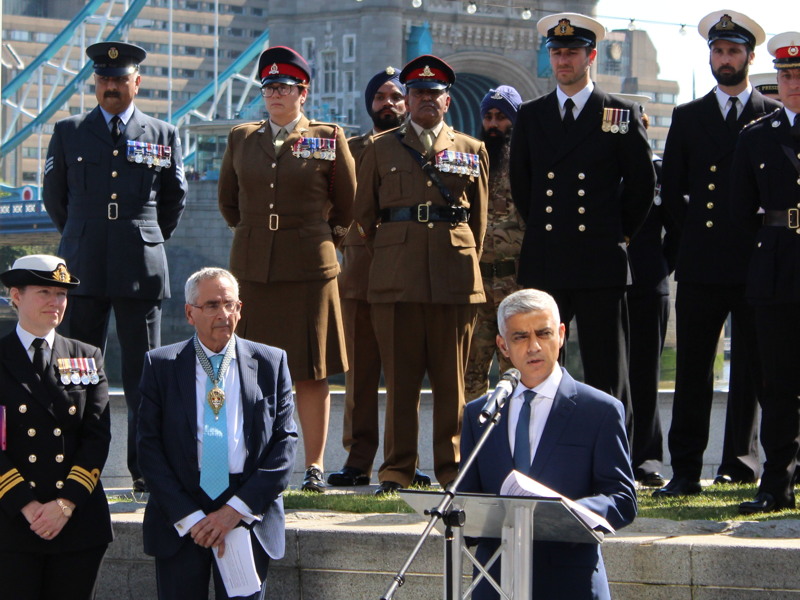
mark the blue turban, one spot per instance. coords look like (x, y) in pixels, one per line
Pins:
(505, 99)
(388, 74)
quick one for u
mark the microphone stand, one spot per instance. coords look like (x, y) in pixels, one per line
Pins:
(451, 518)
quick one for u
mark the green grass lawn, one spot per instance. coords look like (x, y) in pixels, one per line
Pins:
(716, 503)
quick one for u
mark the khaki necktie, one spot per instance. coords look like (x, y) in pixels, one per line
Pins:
(278, 141)
(426, 137)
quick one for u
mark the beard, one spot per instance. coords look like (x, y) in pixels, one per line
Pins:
(386, 119)
(496, 144)
(731, 76)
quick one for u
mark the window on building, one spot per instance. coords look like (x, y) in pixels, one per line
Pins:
(329, 72)
(349, 81)
(349, 43)
(308, 48)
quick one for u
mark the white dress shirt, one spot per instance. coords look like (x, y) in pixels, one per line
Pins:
(26, 338)
(580, 99)
(724, 100)
(124, 117)
(540, 409)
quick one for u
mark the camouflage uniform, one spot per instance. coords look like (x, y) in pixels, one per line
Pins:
(499, 261)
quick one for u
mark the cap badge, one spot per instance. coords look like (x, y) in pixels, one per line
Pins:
(113, 53)
(273, 70)
(793, 50)
(390, 71)
(724, 23)
(564, 28)
(61, 274)
(426, 72)
(497, 96)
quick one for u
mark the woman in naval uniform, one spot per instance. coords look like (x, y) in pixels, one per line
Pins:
(286, 186)
(54, 439)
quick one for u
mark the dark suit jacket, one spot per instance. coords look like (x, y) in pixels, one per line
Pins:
(167, 443)
(48, 420)
(84, 173)
(581, 193)
(696, 187)
(765, 176)
(583, 455)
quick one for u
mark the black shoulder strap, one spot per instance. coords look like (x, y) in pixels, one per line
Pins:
(429, 170)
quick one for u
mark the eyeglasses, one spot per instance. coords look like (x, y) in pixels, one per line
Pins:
(283, 89)
(212, 308)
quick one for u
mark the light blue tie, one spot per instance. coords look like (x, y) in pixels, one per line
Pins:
(522, 437)
(214, 467)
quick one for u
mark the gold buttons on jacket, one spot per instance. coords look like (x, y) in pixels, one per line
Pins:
(548, 227)
(23, 408)
(581, 176)
(581, 210)
(115, 152)
(551, 175)
(581, 227)
(581, 193)
(59, 458)
(430, 225)
(80, 159)
(274, 165)
(114, 173)
(430, 183)
(709, 224)
(713, 168)
(59, 484)
(712, 187)
(549, 192)
(31, 432)
(393, 169)
(548, 209)
(710, 205)
(32, 484)
(114, 196)
(57, 431)
(32, 458)
(761, 166)
(759, 244)
(72, 410)
(272, 185)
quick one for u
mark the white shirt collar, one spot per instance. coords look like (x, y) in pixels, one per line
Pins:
(124, 116)
(211, 353)
(790, 115)
(27, 337)
(546, 389)
(743, 97)
(580, 99)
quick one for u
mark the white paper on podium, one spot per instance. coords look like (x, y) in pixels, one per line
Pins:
(237, 565)
(517, 484)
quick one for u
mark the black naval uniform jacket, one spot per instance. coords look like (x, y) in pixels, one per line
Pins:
(114, 215)
(57, 443)
(581, 193)
(766, 174)
(696, 185)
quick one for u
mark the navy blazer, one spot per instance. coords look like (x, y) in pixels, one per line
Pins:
(583, 454)
(581, 193)
(167, 443)
(698, 157)
(116, 251)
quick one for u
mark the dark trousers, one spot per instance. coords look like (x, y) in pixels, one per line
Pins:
(778, 335)
(602, 318)
(361, 428)
(59, 576)
(648, 313)
(186, 574)
(701, 312)
(139, 330)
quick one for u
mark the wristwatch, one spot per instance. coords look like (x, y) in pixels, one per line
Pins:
(67, 510)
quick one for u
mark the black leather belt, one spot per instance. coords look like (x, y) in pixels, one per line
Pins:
(500, 268)
(783, 218)
(425, 213)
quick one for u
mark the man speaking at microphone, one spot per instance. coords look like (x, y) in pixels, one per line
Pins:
(562, 433)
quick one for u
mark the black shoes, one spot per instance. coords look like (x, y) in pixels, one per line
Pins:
(421, 479)
(348, 477)
(139, 486)
(313, 481)
(763, 502)
(723, 479)
(387, 487)
(679, 486)
(653, 480)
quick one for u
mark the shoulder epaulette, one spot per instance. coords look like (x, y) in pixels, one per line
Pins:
(761, 118)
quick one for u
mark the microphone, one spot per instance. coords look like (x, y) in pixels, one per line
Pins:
(505, 387)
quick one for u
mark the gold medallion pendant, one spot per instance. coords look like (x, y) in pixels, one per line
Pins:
(216, 399)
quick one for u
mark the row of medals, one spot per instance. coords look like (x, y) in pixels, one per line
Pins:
(616, 120)
(78, 370)
(319, 148)
(462, 163)
(153, 155)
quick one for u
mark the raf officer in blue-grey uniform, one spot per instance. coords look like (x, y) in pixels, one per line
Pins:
(114, 187)
(712, 260)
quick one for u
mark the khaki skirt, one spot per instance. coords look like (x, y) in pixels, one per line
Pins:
(304, 318)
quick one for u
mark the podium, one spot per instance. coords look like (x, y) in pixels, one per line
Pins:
(516, 521)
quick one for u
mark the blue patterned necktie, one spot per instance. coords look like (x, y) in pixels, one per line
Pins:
(214, 464)
(522, 436)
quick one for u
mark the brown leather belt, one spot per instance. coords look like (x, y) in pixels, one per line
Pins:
(500, 268)
(789, 218)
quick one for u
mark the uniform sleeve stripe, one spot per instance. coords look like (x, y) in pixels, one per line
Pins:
(9, 480)
(85, 478)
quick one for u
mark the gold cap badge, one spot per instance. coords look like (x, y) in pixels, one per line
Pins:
(113, 53)
(724, 23)
(390, 71)
(564, 28)
(61, 274)
(273, 70)
(426, 72)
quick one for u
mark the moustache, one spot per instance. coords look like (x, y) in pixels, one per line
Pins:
(111, 94)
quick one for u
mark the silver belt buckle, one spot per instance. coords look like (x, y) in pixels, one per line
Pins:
(794, 218)
(113, 211)
(273, 222)
(423, 213)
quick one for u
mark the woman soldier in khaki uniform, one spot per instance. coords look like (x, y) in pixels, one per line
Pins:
(287, 186)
